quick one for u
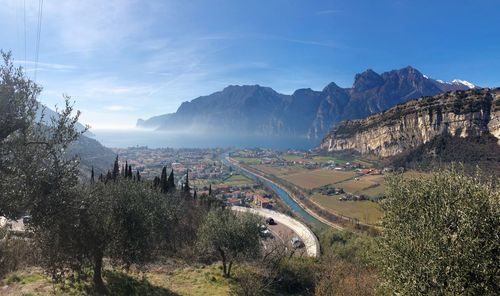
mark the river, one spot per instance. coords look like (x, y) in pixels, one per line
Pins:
(280, 192)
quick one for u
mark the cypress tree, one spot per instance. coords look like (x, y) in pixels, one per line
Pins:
(171, 181)
(163, 180)
(125, 173)
(210, 190)
(194, 195)
(186, 189)
(116, 169)
(138, 176)
(92, 181)
(109, 176)
(130, 172)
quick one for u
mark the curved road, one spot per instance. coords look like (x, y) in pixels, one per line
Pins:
(310, 241)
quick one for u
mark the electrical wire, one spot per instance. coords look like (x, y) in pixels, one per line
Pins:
(24, 9)
(39, 32)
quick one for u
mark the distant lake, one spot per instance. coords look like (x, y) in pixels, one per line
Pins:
(159, 139)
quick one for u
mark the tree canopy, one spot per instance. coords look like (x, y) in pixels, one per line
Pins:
(230, 235)
(441, 235)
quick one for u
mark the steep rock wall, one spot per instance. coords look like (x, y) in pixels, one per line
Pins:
(458, 113)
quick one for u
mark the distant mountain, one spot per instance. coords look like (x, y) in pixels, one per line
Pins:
(90, 152)
(49, 115)
(454, 126)
(261, 111)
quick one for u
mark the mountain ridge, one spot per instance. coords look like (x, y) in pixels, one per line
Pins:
(258, 110)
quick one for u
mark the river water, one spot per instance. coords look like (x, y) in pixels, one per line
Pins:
(280, 192)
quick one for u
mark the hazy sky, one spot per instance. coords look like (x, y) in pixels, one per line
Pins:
(124, 59)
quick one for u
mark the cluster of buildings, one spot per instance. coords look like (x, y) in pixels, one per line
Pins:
(202, 163)
(260, 153)
(251, 195)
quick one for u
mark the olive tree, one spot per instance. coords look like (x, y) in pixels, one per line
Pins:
(38, 177)
(123, 220)
(441, 235)
(229, 235)
(31, 151)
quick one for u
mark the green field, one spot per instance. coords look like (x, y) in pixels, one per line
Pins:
(321, 159)
(318, 178)
(292, 157)
(247, 160)
(365, 211)
(236, 180)
(280, 171)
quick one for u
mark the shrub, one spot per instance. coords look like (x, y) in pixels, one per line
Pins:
(16, 254)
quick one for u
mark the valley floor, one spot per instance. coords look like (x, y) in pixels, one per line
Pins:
(319, 179)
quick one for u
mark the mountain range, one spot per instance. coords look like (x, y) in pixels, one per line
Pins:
(260, 111)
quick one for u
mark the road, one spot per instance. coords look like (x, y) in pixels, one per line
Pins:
(311, 243)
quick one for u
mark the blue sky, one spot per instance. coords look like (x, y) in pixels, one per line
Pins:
(126, 59)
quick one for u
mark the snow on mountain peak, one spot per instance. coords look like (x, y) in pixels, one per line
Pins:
(463, 82)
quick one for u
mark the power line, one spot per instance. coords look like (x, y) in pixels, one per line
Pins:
(24, 9)
(39, 32)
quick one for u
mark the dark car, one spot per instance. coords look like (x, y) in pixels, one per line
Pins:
(27, 219)
(270, 221)
(296, 242)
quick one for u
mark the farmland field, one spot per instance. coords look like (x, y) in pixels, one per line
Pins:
(237, 179)
(279, 171)
(318, 178)
(247, 160)
(365, 211)
(359, 184)
(200, 183)
(292, 157)
(329, 158)
(373, 191)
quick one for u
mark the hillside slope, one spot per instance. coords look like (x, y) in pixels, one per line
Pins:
(89, 151)
(92, 154)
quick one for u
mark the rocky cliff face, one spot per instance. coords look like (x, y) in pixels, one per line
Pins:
(463, 114)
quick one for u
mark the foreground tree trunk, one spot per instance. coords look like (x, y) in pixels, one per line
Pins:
(224, 265)
(229, 269)
(98, 282)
